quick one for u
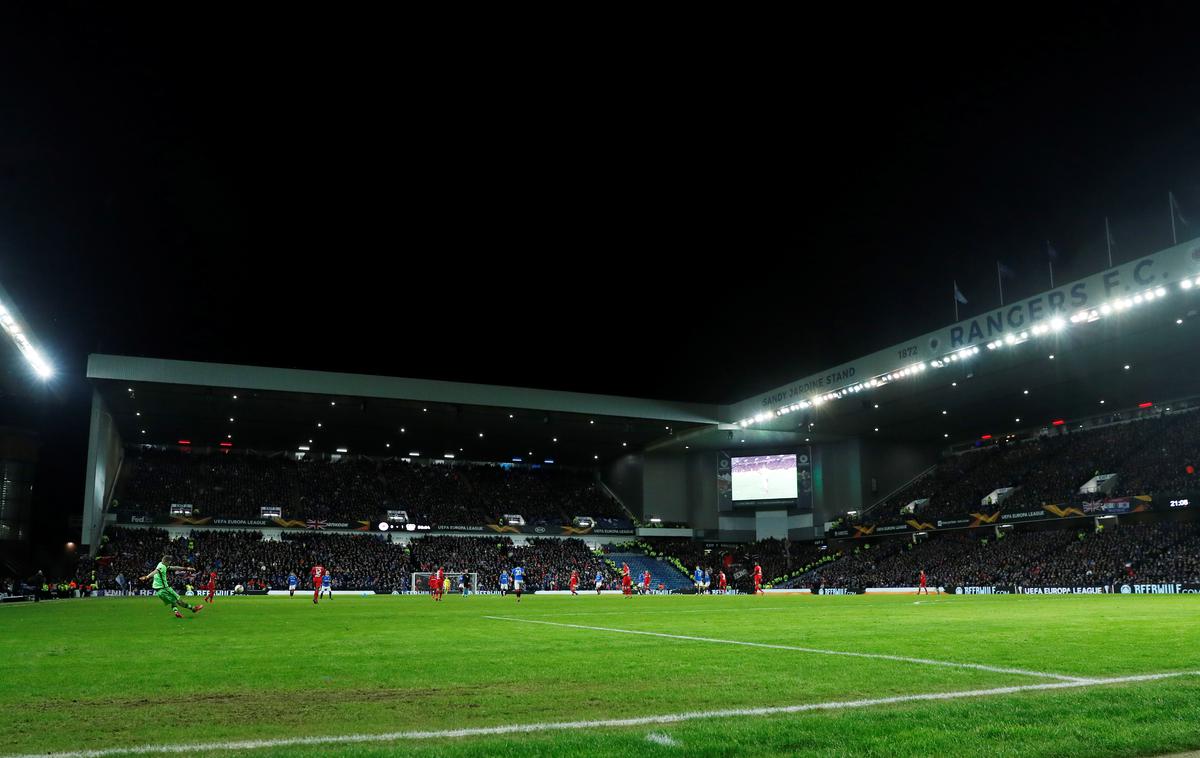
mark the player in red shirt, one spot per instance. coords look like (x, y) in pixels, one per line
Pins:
(646, 583)
(212, 586)
(923, 586)
(757, 579)
(721, 582)
(626, 580)
(574, 582)
(317, 572)
(439, 583)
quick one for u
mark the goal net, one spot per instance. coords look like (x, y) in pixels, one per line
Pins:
(421, 579)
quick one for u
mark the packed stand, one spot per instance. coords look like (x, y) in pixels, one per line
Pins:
(1141, 552)
(356, 488)
(1151, 455)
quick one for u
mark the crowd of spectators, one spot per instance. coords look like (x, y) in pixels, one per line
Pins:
(1140, 552)
(1151, 455)
(237, 485)
(358, 562)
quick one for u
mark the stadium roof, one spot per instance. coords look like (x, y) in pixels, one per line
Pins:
(1114, 340)
(164, 401)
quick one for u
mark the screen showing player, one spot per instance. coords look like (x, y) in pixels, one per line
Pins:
(764, 477)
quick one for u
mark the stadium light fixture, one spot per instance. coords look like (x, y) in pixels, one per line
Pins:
(32, 356)
(414, 454)
(481, 435)
(1126, 366)
(137, 413)
(555, 439)
(402, 430)
(876, 428)
(548, 460)
(945, 412)
(231, 419)
(1051, 356)
(1178, 321)
(143, 431)
(1025, 392)
(235, 397)
(387, 444)
(303, 448)
(1101, 402)
(342, 450)
(1017, 420)
(595, 457)
(228, 436)
(448, 455)
(318, 424)
(1186, 284)
(424, 410)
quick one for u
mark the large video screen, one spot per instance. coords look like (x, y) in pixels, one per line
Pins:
(764, 477)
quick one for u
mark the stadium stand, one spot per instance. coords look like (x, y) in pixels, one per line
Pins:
(661, 572)
(1149, 455)
(1142, 552)
(351, 488)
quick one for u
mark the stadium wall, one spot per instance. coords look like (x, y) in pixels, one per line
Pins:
(854, 474)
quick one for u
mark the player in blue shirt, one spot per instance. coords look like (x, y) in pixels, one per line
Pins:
(599, 581)
(698, 579)
(707, 581)
(503, 582)
(462, 584)
(327, 584)
(518, 581)
(293, 583)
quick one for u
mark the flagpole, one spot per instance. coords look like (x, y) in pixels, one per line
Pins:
(1108, 239)
(954, 297)
(1000, 281)
(1171, 210)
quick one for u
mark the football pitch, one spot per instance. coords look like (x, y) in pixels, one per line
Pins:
(1112, 675)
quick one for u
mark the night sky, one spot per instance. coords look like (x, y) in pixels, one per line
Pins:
(691, 209)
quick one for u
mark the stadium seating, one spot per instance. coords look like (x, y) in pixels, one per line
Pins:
(1143, 552)
(661, 572)
(353, 488)
(1149, 455)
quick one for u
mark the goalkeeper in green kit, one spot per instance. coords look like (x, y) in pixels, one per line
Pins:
(162, 588)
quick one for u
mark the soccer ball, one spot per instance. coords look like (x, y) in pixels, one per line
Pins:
(239, 589)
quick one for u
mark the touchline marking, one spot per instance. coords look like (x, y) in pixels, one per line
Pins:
(819, 651)
(557, 726)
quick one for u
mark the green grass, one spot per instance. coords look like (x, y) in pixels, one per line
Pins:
(111, 673)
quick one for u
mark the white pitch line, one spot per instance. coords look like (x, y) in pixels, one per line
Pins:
(819, 651)
(557, 726)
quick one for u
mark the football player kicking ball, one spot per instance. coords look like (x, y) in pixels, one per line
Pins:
(162, 588)
(574, 583)
(318, 572)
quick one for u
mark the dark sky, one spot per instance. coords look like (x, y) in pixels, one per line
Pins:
(687, 208)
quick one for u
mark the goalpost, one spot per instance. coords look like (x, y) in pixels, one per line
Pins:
(420, 581)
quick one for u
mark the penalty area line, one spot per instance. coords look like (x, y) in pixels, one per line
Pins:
(817, 651)
(557, 726)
